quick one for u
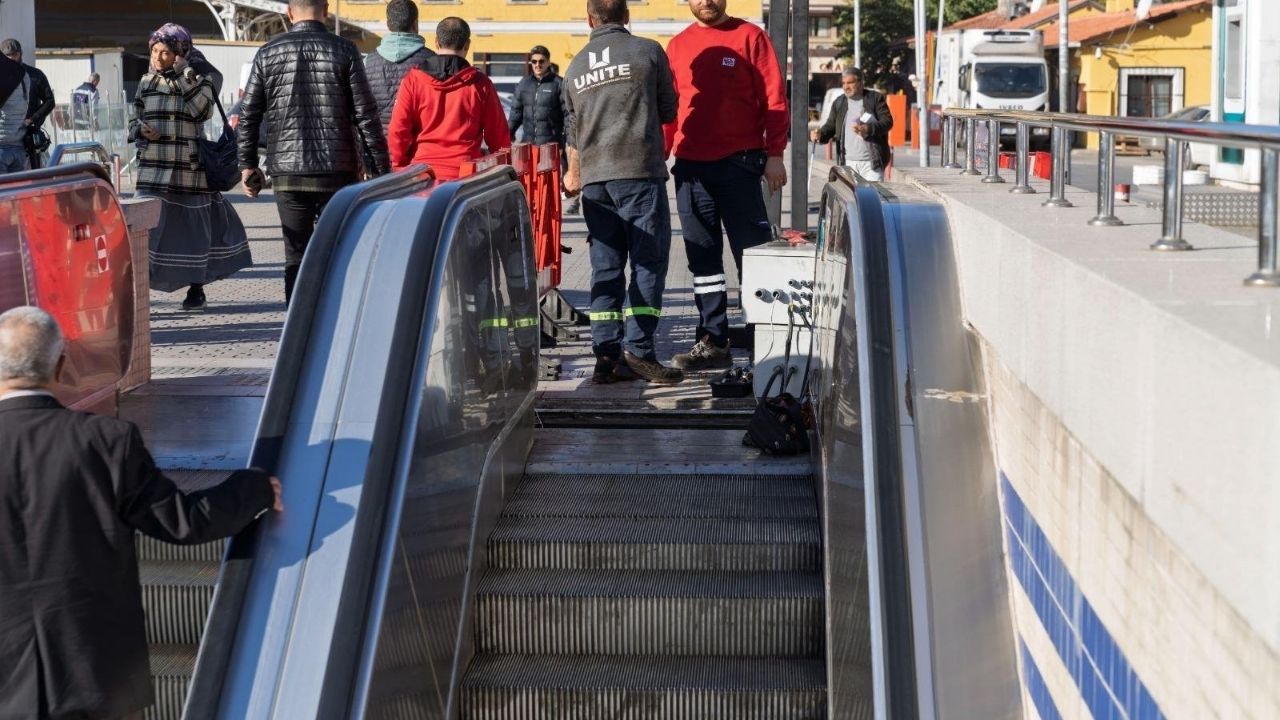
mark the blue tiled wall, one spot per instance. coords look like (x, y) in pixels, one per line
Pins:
(1036, 686)
(1107, 682)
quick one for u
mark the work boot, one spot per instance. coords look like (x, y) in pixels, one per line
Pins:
(609, 370)
(652, 370)
(705, 355)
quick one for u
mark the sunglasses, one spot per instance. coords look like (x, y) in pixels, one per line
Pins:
(538, 62)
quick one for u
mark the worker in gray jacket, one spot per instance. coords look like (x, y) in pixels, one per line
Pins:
(618, 92)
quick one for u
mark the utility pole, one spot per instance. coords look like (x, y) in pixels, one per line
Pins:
(778, 15)
(857, 33)
(937, 56)
(799, 115)
(1064, 59)
(922, 80)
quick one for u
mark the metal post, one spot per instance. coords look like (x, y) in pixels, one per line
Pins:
(1106, 181)
(1268, 274)
(993, 152)
(115, 170)
(1022, 170)
(800, 114)
(970, 147)
(1171, 238)
(949, 144)
(857, 33)
(922, 80)
(778, 35)
(1061, 155)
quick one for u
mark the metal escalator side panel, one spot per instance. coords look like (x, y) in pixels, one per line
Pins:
(329, 437)
(965, 650)
(302, 336)
(468, 431)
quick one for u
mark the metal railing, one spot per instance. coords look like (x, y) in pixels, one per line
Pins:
(110, 162)
(1175, 134)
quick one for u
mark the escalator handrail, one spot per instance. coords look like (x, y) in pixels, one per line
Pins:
(234, 575)
(57, 172)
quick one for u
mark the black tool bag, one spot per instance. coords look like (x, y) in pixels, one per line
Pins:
(777, 426)
(218, 157)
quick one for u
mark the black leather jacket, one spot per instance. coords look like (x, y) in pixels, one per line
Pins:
(538, 106)
(311, 87)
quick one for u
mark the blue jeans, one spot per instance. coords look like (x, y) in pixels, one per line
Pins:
(709, 194)
(13, 158)
(627, 218)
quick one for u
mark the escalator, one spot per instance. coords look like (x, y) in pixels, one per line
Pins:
(444, 555)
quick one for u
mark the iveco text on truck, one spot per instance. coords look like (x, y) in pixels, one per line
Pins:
(994, 70)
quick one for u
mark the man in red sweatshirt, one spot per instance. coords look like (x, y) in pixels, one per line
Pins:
(445, 108)
(731, 129)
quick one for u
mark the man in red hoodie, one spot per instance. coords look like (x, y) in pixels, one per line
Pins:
(446, 108)
(730, 130)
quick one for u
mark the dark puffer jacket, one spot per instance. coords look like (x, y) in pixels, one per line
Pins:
(385, 76)
(322, 115)
(538, 106)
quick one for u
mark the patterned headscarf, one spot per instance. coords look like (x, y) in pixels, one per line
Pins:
(174, 36)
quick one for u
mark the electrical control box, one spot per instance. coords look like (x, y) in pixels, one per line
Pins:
(773, 275)
(777, 276)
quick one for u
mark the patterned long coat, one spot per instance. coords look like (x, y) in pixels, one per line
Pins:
(177, 106)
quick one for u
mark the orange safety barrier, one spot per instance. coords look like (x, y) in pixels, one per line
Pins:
(935, 127)
(538, 167)
(898, 109)
(1041, 163)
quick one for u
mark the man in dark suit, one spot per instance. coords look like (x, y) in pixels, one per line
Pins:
(73, 489)
(862, 136)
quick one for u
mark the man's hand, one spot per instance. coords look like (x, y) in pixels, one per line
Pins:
(278, 504)
(815, 135)
(27, 122)
(251, 181)
(572, 182)
(776, 173)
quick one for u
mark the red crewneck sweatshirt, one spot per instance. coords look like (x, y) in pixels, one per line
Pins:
(732, 95)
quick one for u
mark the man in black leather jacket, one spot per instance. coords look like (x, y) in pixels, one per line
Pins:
(324, 123)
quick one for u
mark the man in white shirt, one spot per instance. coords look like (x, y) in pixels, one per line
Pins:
(859, 123)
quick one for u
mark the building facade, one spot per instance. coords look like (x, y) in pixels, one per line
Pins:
(504, 30)
(1246, 55)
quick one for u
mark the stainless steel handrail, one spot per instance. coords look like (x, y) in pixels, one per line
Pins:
(109, 162)
(1176, 135)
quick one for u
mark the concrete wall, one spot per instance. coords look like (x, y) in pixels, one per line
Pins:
(1136, 406)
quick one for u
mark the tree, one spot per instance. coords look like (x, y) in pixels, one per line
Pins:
(885, 23)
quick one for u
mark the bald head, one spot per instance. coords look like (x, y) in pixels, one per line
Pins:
(30, 347)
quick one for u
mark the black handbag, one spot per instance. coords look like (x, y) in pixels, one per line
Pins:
(777, 426)
(221, 168)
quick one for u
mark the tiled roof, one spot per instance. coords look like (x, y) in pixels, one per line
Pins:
(994, 19)
(1092, 27)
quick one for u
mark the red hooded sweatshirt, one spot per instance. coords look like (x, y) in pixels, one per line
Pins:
(442, 113)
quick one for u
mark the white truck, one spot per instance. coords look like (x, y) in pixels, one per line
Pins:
(994, 70)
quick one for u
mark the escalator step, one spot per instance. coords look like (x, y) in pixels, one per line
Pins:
(555, 687)
(662, 485)
(657, 506)
(176, 596)
(149, 548)
(645, 612)
(171, 669)
(656, 544)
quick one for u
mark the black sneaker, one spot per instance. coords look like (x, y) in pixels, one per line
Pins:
(609, 370)
(652, 370)
(704, 355)
(193, 301)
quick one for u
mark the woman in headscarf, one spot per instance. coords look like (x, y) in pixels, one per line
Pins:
(200, 238)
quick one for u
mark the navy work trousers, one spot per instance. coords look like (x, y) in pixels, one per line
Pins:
(710, 194)
(627, 219)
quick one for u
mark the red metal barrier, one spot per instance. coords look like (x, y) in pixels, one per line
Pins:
(1041, 163)
(538, 167)
(64, 247)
